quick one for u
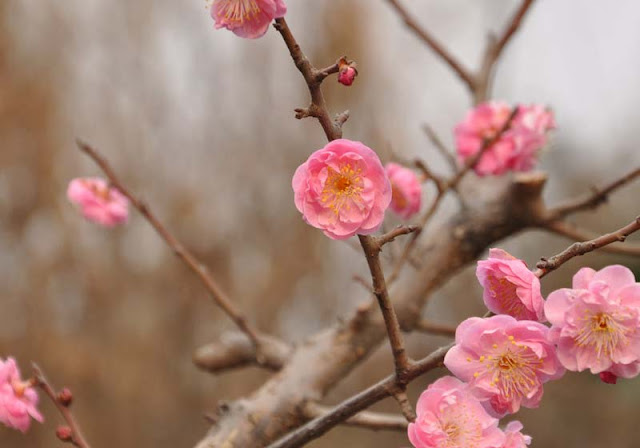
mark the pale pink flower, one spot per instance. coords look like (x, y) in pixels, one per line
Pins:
(342, 189)
(449, 416)
(98, 201)
(247, 18)
(518, 147)
(597, 323)
(504, 360)
(514, 436)
(18, 399)
(406, 190)
(510, 287)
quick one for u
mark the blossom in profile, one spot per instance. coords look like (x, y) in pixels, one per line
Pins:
(406, 190)
(449, 416)
(98, 201)
(517, 148)
(18, 399)
(505, 361)
(514, 437)
(342, 189)
(510, 287)
(247, 18)
(596, 324)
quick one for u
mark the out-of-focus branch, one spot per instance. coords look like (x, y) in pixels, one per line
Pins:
(369, 420)
(597, 197)
(440, 146)
(433, 43)
(546, 265)
(574, 233)
(71, 433)
(425, 326)
(215, 291)
(234, 351)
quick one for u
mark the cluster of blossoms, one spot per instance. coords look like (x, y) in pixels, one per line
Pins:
(18, 398)
(516, 149)
(502, 362)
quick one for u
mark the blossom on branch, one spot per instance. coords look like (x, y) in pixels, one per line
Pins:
(406, 190)
(506, 361)
(98, 201)
(510, 287)
(596, 324)
(516, 149)
(18, 399)
(448, 415)
(247, 18)
(342, 189)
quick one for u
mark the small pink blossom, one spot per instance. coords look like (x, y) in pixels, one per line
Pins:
(18, 399)
(98, 201)
(342, 189)
(449, 416)
(406, 190)
(597, 323)
(518, 147)
(247, 18)
(504, 360)
(510, 287)
(514, 436)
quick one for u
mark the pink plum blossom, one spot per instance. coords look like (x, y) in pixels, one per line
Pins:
(247, 18)
(510, 287)
(514, 436)
(18, 399)
(504, 360)
(98, 201)
(449, 416)
(342, 189)
(596, 325)
(406, 190)
(518, 147)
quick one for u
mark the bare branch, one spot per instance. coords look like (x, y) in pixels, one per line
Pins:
(393, 234)
(369, 420)
(215, 291)
(425, 326)
(440, 146)
(573, 232)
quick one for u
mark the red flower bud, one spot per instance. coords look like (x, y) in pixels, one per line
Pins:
(65, 397)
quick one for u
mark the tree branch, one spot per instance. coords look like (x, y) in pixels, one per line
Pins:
(425, 326)
(440, 146)
(572, 232)
(368, 420)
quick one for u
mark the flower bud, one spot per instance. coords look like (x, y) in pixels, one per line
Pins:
(65, 397)
(64, 433)
(347, 71)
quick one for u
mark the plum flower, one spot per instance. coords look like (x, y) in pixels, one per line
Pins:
(518, 147)
(247, 18)
(504, 360)
(449, 416)
(597, 323)
(98, 201)
(342, 189)
(514, 436)
(406, 190)
(510, 287)
(18, 399)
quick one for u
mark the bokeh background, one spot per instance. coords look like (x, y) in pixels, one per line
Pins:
(200, 124)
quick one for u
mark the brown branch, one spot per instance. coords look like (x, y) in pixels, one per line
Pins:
(433, 43)
(577, 249)
(393, 234)
(598, 197)
(405, 405)
(572, 232)
(369, 420)
(425, 326)
(440, 146)
(215, 291)
(75, 437)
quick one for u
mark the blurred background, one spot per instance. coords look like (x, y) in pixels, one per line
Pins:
(200, 124)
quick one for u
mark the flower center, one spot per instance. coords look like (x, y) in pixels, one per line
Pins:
(506, 295)
(342, 187)
(602, 332)
(239, 11)
(514, 371)
(397, 197)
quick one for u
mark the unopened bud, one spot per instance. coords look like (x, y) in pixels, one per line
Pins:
(64, 433)
(347, 71)
(608, 377)
(65, 397)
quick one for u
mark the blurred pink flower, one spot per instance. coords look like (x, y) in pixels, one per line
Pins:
(18, 399)
(406, 190)
(342, 189)
(505, 361)
(510, 287)
(247, 18)
(514, 436)
(597, 323)
(98, 201)
(449, 416)
(516, 150)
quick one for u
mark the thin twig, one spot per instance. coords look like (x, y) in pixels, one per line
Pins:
(369, 420)
(425, 326)
(405, 405)
(215, 291)
(393, 234)
(440, 146)
(76, 438)
(571, 231)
